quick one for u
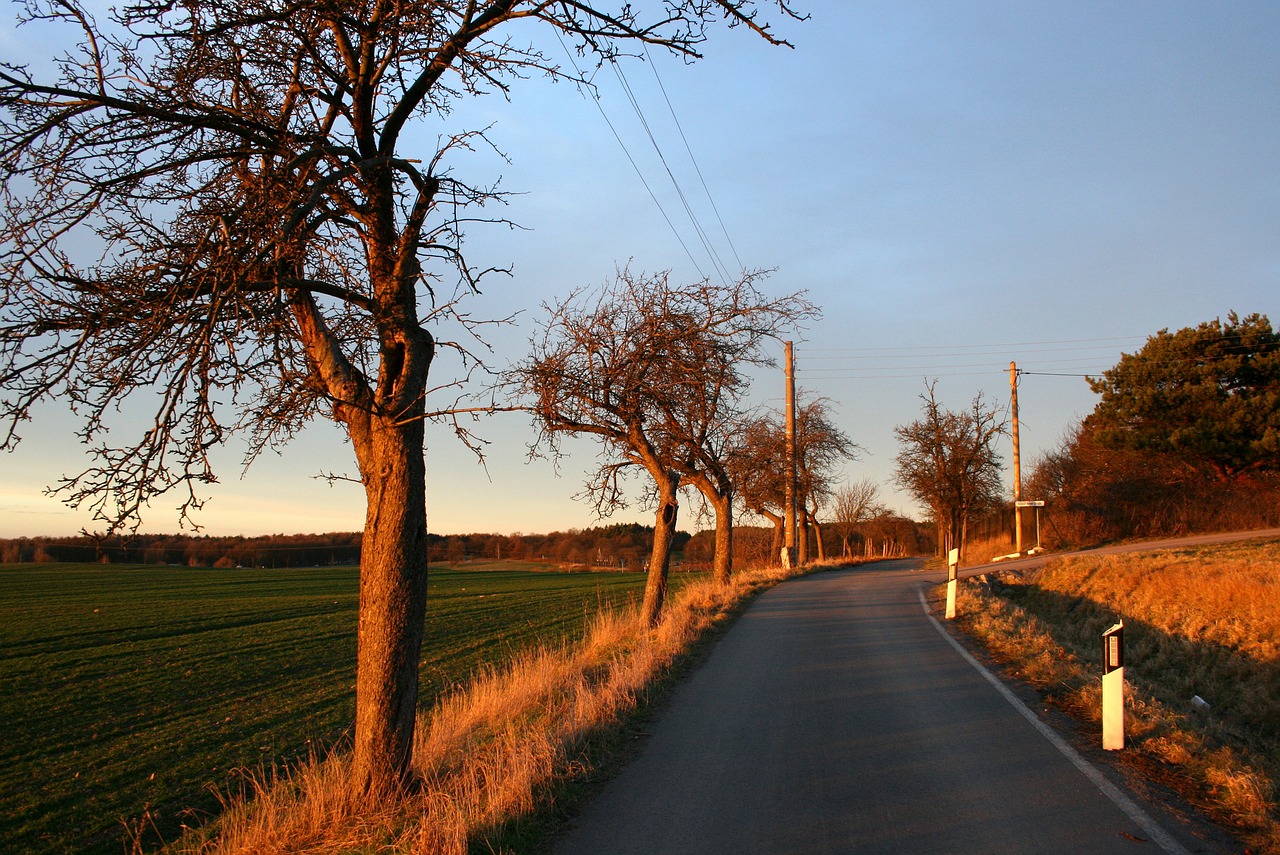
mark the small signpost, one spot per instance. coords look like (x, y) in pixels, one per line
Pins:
(1030, 503)
(1113, 688)
(953, 562)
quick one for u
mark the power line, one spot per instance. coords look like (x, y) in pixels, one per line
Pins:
(674, 118)
(1080, 358)
(684, 201)
(707, 244)
(1001, 352)
(595, 99)
(1001, 347)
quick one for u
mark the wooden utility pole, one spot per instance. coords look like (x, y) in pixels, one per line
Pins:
(789, 513)
(1017, 463)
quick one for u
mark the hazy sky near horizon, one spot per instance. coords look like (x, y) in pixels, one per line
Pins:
(957, 185)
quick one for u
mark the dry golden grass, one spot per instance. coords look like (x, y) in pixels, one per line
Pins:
(488, 755)
(1227, 595)
(985, 551)
(1198, 622)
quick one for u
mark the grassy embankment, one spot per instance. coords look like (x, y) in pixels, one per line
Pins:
(128, 694)
(1198, 622)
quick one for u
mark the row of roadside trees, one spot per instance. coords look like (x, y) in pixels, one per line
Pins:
(658, 373)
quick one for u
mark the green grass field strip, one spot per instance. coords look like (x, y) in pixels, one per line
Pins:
(132, 688)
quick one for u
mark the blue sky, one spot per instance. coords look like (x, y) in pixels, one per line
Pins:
(957, 184)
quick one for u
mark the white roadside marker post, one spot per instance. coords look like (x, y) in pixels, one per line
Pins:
(1113, 688)
(953, 562)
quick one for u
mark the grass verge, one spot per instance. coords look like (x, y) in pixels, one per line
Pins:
(494, 757)
(1199, 622)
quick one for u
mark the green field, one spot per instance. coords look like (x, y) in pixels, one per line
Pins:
(136, 691)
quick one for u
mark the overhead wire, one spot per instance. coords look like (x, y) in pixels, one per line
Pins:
(694, 160)
(936, 354)
(708, 245)
(595, 99)
(952, 360)
(940, 360)
(662, 158)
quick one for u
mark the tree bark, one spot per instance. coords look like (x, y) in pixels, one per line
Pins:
(387, 433)
(393, 597)
(664, 530)
(802, 537)
(817, 538)
(723, 567)
(719, 494)
(778, 532)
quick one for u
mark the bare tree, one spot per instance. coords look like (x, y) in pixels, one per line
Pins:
(655, 371)
(758, 468)
(821, 448)
(759, 464)
(854, 504)
(948, 461)
(266, 251)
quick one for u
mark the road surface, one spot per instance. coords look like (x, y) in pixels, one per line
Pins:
(837, 717)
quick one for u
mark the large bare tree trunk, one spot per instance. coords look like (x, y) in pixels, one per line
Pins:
(664, 531)
(387, 434)
(722, 570)
(386, 429)
(719, 494)
(393, 597)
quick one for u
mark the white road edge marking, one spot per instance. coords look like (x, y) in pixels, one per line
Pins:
(1140, 817)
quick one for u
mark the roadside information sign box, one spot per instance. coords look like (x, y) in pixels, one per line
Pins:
(1113, 648)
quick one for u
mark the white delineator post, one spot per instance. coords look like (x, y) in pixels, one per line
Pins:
(953, 562)
(1113, 688)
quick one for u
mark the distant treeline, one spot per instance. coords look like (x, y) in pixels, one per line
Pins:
(623, 547)
(278, 550)
(620, 546)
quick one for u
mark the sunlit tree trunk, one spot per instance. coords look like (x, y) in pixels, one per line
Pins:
(802, 536)
(817, 537)
(719, 494)
(775, 551)
(664, 530)
(722, 570)
(393, 597)
(385, 425)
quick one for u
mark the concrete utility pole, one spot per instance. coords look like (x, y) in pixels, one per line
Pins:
(789, 513)
(1017, 463)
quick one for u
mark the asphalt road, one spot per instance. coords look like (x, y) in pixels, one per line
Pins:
(836, 717)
